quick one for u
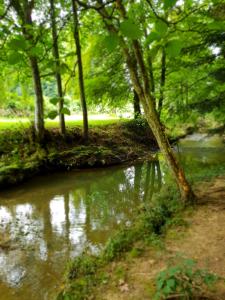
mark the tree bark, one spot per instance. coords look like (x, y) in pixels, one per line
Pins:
(24, 12)
(142, 85)
(57, 68)
(39, 101)
(162, 82)
(137, 107)
(80, 70)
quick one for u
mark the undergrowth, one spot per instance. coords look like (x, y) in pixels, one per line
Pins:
(183, 280)
(85, 271)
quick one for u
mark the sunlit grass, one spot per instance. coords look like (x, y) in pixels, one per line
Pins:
(23, 123)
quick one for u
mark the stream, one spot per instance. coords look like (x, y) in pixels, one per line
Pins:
(50, 219)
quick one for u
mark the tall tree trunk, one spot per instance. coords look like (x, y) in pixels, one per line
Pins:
(80, 70)
(23, 10)
(39, 100)
(162, 82)
(137, 107)
(150, 66)
(57, 68)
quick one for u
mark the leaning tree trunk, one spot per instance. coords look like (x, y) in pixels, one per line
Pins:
(57, 68)
(80, 70)
(142, 84)
(153, 119)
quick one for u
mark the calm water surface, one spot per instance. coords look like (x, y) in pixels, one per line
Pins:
(53, 218)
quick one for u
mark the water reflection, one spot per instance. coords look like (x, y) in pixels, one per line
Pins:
(48, 221)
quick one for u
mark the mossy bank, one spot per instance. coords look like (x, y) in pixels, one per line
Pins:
(21, 158)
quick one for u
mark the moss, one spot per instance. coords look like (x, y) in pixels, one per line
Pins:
(108, 145)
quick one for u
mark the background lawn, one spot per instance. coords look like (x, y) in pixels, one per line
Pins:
(71, 121)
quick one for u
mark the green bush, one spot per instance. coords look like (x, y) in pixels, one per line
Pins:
(119, 244)
(83, 265)
(183, 280)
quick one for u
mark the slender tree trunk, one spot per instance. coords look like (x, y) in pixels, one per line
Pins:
(39, 100)
(162, 82)
(24, 11)
(150, 67)
(137, 107)
(57, 68)
(80, 70)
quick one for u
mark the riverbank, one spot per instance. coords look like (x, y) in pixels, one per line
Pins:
(21, 158)
(191, 241)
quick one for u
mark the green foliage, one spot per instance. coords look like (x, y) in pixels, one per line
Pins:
(130, 29)
(184, 280)
(153, 36)
(54, 100)
(83, 265)
(53, 114)
(111, 41)
(18, 43)
(156, 217)
(173, 47)
(161, 27)
(65, 111)
(14, 58)
(169, 4)
(139, 123)
(119, 244)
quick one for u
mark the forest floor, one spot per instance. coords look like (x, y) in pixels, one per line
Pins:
(202, 239)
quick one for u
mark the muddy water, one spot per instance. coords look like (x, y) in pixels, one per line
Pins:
(53, 218)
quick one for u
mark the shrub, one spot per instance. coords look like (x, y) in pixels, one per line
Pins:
(183, 280)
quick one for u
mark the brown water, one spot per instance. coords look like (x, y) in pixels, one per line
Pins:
(53, 218)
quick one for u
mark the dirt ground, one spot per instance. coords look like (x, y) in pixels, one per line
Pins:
(202, 240)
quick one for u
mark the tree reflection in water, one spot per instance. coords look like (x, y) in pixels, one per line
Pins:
(54, 218)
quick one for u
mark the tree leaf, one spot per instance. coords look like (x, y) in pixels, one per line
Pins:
(169, 4)
(18, 43)
(53, 114)
(171, 283)
(161, 27)
(65, 111)
(173, 48)
(54, 100)
(36, 51)
(15, 58)
(216, 25)
(111, 42)
(63, 68)
(154, 51)
(153, 36)
(130, 29)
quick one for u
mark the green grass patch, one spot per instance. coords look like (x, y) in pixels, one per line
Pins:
(15, 124)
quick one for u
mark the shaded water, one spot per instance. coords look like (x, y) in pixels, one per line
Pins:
(52, 218)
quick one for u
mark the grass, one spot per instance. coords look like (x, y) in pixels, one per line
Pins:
(23, 123)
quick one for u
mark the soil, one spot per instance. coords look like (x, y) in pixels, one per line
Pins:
(203, 239)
